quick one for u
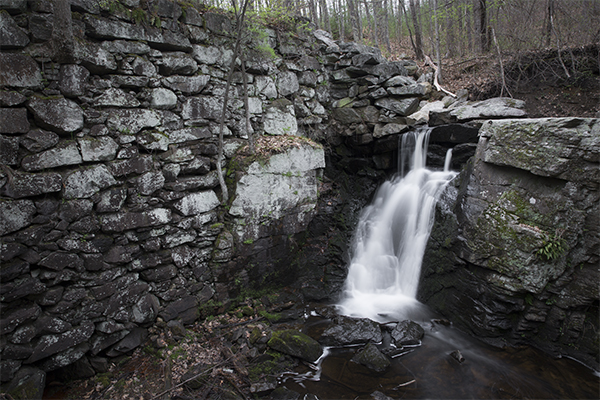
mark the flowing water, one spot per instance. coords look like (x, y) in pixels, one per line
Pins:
(382, 285)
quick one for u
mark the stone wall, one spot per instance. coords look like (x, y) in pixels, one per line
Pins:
(514, 254)
(110, 212)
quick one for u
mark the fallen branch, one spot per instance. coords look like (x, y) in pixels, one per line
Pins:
(435, 77)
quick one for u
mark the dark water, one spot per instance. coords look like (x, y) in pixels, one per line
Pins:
(430, 372)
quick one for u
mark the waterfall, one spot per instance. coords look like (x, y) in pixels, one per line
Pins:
(392, 233)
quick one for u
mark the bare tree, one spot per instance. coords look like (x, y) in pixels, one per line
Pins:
(355, 21)
(418, 43)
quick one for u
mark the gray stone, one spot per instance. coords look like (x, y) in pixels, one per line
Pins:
(566, 148)
(183, 184)
(19, 71)
(95, 58)
(8, 368)
(162, 98)
(64, 358)
(102, 148)
(265, 86)
(16, 318)
(125, 47)
(11, 99)
(72, 80)
(60, 260)
(287, 83)
(38, 140)
(28, 383)
(202, 107)
(113, 29)
(27, 185)
(65, 153)
(145, 310)
(135, 338)
(159, 274)
(157, 141)
(498, 107)
(111, 200)
(47, 324)
(52, 344)
(131, 220)
(297, 344)
(280, 118)
(372, 358)
(417, 89)
(14, 6)
(407, 333)
(401, 107)
(399, 80)
(141, 66)
(9, 150)
(177, 63)
(14, 120)
(388, 129)
(12, 269)
(21, 288)
(128, 81)
(346, 116)
(15, 215)
(167, 40)
(218, 23)
(85, 183)
(185, 309)
(57, 114)
(348, 331)
(113, 97)
(186, 84)
(197, 203)
(11, 36)
(166, 8)
(72, 210)
(132, 121)
(135, 165)
(150, 182)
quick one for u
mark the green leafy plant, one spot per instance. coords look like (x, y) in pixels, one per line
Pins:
(553, 247)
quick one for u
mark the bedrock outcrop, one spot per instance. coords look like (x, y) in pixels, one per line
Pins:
(513, 256)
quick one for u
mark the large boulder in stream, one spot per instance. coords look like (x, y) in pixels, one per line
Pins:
(297, 344)
(372, 358)
(347, 331)
(513, 255)
(407, 333)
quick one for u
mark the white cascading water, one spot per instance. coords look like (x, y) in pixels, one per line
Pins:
(391, 236)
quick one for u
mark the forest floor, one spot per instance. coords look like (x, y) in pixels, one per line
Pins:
(154, 370)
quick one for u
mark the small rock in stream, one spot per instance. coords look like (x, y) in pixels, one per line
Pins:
(372, 358)
(457, 355)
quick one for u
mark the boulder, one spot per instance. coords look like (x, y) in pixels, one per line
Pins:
(162, 98)
(197, 203)
(186, 84)
(349, 331)
(27, 185)
(287, 83)
(177, 63)
(52, 344)
(407, 333)
(402, 107)
(372, 358)
(296, 344)
(280, 118)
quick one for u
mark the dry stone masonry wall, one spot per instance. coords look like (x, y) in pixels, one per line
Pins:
(109, 211)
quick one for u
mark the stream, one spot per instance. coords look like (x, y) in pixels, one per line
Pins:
(382, 285)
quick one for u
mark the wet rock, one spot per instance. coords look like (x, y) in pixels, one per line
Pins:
(15, 215)
(380, 396)
(11, 36)
(407, 333)
(348, 331)
(87, 182)
(372, 358)
(57, 114)
(65, 153)
(457, 355)
(14, 120)
(296, 344)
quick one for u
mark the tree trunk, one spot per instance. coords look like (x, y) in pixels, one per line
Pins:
(62, 36)
(341, 25)
(450, 38)
(483, 31)
(356, 35)
(313, 12)
(437, 41)
(469, 29)
(325, 23)
(386, 24)
(549, 16)
(418, 45)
